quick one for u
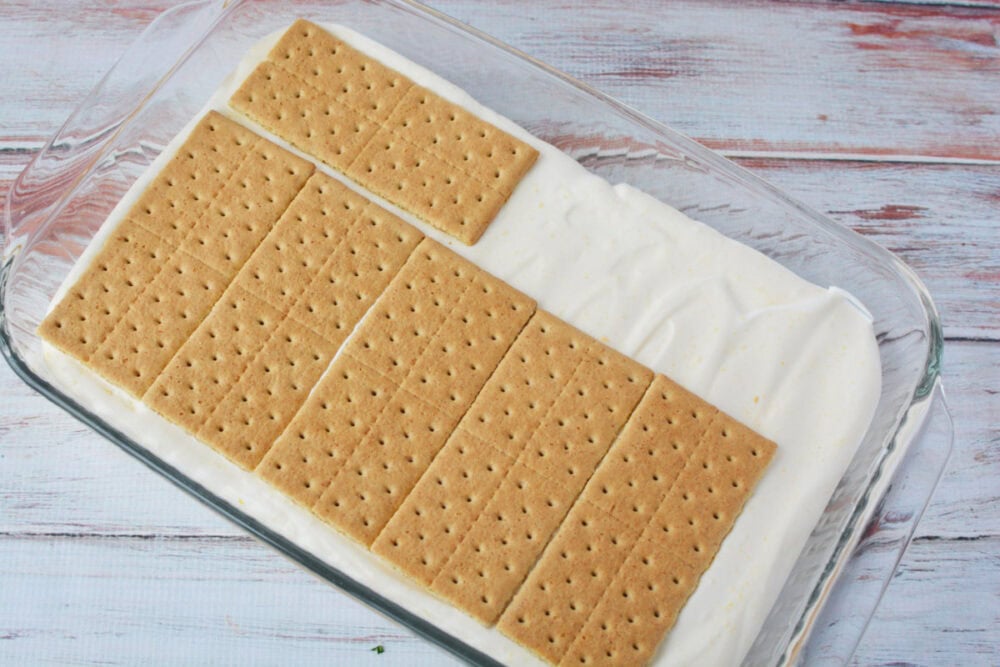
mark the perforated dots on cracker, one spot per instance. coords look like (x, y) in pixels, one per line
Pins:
(578, 565)
(552, 409)
(502, 545)
(245, 210)
(710, 491)
(385, 465)
(615, 507)
(314, 274)
(147, 295)
(201, 168)
(210, 363)
(437, 333)
(424, 531)
(253, 414)
(491, 436)
(636, 610)
(399, 140)
(115, 278)
(666, 495)
(642, 466)
(324, 433)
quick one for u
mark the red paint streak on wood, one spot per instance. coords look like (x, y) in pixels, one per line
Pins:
(890, 212)
(974, 33)
(985, 276)
(981, 151)
(867, 46)
(642, 73)
(142, 14)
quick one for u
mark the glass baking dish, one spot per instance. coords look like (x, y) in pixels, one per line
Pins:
(60, 200)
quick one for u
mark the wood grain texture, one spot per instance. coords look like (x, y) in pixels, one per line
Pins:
(884, 115)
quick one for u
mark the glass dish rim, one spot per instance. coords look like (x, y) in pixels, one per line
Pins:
(906, 425)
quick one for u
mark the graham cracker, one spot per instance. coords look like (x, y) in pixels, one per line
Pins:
(182, 191)
(642, 466)
(326, 430)
(614, 508)
(579, 395)
(707, 464)
(438, 333)
(211, 362)
(433, 338)
(527, 383)
(487, 443)
(403, 323)
(579, 564)
(115, 278)
(304, 116)
(170, 258)
(403, 142)
(382, 470)
(636, 611)
(710, 491)
(269, 393)
(423, 533)
(306, 286)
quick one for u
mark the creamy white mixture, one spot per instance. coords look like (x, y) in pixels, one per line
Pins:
(796, 362)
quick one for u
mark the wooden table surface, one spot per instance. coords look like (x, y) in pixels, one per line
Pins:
(885, 115)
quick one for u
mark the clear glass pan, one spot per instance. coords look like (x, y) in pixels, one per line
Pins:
(58, 203)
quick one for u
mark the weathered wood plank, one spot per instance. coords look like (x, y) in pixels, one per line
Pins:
(182, 602)
(941, 609)
(131, 601)
(940, 219)
(943, 606)
(855, 78)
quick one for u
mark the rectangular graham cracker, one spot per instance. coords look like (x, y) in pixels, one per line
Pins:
(482, 450)
(642, 466)
(401, 141)
(174, 253)
(646, 526)
(578, 565)
(614, 508)
(423, 352)
(244, 373)
(549, 413)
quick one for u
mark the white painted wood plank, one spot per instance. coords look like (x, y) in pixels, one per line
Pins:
(940, 219)
(131, 601)
(777, 77)
(757, 76)
(943, 607)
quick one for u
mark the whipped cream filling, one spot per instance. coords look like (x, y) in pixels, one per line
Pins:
(796, 362)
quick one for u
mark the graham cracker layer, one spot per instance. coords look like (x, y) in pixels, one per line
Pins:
(543, 421)
(420, 356)
(649, 522)
(248, 368)
(403, 142)
(174, 253)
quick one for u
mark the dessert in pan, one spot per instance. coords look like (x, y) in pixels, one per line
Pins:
(503, 459)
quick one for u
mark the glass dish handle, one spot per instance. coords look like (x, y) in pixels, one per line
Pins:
(51, 175)
(854, 599)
